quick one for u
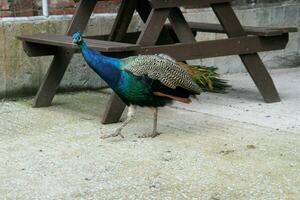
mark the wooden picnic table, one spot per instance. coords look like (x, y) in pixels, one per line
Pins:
(176, 39)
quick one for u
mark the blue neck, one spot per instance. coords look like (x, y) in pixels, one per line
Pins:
(106, 67)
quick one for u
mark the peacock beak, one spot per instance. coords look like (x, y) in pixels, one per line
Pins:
(74, 42)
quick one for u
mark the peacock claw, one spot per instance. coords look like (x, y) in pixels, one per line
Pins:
(115, 134)
(152, 135)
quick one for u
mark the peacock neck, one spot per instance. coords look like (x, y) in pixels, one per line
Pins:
(106, 67)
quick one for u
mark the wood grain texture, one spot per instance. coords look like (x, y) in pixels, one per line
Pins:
(153, 26)
(217, 48)
(179, 3)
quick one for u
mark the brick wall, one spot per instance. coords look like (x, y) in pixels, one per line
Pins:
(13, 8)
(58, 7)
(4, 8)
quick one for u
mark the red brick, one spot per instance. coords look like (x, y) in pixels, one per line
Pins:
(4, 13)
(56, 7)
(66, 11)
(61, 4)
(107, 6)
(4, 5)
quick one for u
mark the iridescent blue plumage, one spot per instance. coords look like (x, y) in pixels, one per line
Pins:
(107, 68)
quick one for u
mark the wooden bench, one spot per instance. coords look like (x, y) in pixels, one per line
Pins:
(176, 39)
(250, 30)
(58, 41)
(265, 39)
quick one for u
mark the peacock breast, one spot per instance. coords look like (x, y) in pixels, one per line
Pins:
(134, 89)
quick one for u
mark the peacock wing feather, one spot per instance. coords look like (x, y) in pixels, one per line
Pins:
(162, 69)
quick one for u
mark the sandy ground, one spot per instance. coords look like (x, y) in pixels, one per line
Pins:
(230, 146)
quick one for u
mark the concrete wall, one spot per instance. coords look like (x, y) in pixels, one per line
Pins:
(21, 75)
(254, 3)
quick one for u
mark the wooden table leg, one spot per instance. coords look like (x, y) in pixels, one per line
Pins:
(63, 56)
(253, 63)
(123, 20)
(153, 26)
(181, 27)
(116, 106)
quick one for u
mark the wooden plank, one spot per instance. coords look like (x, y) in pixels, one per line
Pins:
(63, 56)
(252, 61)
(153, 26)
(38, 48)
(59, 40)
(250, 30)
(130, 37)
(216, 48)
(63, 41)
(35, 49)
(179, 3)
(66, 42)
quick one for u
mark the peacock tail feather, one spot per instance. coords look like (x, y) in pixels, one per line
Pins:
(206, 77)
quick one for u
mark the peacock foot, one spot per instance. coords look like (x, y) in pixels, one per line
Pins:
(115, 134)
(152, 135)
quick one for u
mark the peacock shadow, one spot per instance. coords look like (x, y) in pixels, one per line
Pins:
(90, 104)
(245, 94)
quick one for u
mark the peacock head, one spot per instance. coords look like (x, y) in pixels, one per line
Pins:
(77, 38)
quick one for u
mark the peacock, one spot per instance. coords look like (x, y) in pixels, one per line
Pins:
(149, 80)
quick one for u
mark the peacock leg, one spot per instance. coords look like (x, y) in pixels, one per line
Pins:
(154, 131)
(130, 116)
